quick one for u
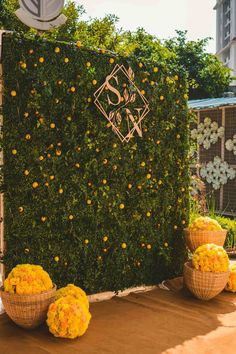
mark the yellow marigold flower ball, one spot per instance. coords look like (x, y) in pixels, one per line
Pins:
(94, 82)
(148, 214)
(41, 60)
(13, 93)
(112, 60)
(72, 89)
(149, 176)
(143, 164)
(104, 181)
(57, 50)
(155, 70)
(162, 98)
(88, 64)
(71, 217)
(23, 66)
(105, 238)
(124, 245)
(68, 318)
(14, 151)
(78, 44)
(52, 125)
(27, 279)
(140, 65)
(60, 191)
(143, 92)
(204, 223)
(43, 218)
(231, 284)
(210, 258)
(26, 172)
(66, 60)
(73, 291)
(121, 206)
(89, 201)
(129, 185)
(56, 259)
(149, 247)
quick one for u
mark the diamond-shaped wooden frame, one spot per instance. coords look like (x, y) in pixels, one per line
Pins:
(136, 125)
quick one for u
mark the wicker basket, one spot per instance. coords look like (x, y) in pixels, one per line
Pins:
(204, 285)
(27, 311)
(194, 239)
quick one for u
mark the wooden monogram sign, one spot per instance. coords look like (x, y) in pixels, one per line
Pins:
(122, 103)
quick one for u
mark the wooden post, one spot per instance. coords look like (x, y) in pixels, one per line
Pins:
(1, 164)
(222, 158)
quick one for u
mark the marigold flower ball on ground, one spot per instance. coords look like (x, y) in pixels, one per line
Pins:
(231, 285)
(210, 258)
(68, 317)
(27, 279)
(74, 291)
(204, 223)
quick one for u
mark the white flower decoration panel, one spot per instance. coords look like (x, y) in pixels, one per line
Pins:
(207, 133)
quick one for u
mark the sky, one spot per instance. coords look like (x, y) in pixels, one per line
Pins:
(160, 17)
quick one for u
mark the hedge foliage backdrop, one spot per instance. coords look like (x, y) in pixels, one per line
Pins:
(90, 209)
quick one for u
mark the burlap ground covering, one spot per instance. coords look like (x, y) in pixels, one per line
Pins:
(156, 322)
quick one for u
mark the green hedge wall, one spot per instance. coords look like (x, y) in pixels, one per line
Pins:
(91, 210)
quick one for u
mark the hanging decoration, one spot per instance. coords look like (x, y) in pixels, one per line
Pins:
(230, 144)
(217, 172)
(207, 133)
(125, 106)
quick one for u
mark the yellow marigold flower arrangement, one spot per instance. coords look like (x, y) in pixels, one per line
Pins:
(204, 223)
(68, 317)
(73, 291)
(231, 285)
(27, 279)
(210, 258)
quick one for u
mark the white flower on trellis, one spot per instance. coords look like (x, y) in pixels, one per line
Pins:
(207, 133)
(207, 122)
(217, 172)
(230, 144)
(206, 144)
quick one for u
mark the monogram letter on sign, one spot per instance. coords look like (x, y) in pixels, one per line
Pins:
(41, 14)
(122, 103)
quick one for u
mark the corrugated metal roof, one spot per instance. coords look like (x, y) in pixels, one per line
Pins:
(211, 102)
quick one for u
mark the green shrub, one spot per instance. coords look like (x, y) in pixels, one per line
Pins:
(89, 209)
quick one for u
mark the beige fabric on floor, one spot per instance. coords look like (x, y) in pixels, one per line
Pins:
(159, 321)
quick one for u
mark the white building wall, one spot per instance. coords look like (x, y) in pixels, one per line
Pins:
(226, 49)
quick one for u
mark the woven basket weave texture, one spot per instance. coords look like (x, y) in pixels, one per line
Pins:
(204, 285)
(194, 239)
(27, 311)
